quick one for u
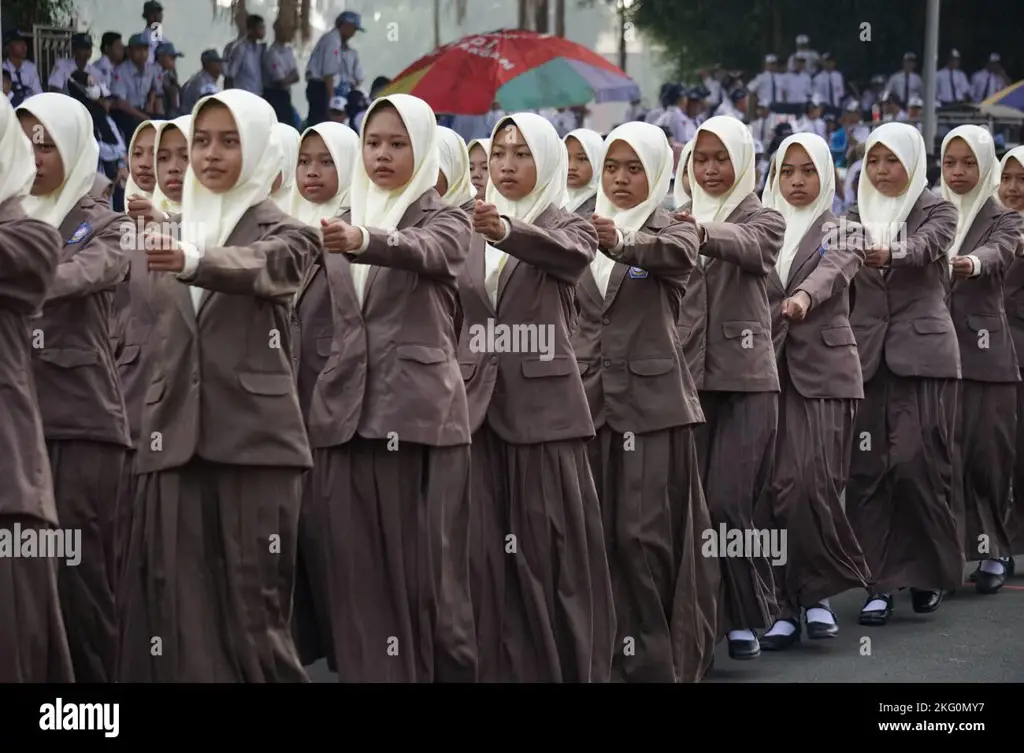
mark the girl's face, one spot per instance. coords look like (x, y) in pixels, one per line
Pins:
(686, 180)
(580, 169)
(172, 162)
(712, 166)
(387, 149)
(478, 170)
(442, 183)
(885, 171)
(513, 171)
(316, 175)
(49, 166)
(216, 155)
(624, 180)
(1011, 185)
(799, 181)
(960, 169)
(141, 165)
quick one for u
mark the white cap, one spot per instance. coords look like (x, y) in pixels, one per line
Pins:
(802, 39)
(770, 58)
(853, 106)
(915, 102)
(954, 53)
(994, 57)
(338, 103)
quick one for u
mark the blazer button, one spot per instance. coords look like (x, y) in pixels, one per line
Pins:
(195, 377)
(494, 359)
(606, 321)
(606, 363)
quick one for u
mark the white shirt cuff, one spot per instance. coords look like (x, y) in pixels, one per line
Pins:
(192, 256)
(366, 241)
(977, 265)
(508, 230)
(619, 242)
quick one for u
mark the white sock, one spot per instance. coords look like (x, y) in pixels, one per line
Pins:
(817, 614)
(781, 627)
(993, 567)
(741, 635)
(875, 605)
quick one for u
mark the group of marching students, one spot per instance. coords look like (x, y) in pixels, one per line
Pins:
(256, 396)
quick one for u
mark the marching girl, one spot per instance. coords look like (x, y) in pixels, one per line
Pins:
(171, 163)
(585, 149)
(899, 498)
(35, 645)
(987, 237)
(287, 140)
(210, 565)
(479, 165)
(682, 195)
(541, 588)
(83, 411)
(820, 379)
(142, 161)
(454, 175)
(388, 419)
(1011, 196)
(327, 157)
(644, 407)
(729, 350)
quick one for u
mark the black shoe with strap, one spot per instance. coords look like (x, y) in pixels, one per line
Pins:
(926, 601)
(780, 641)
(876, 617)
(819, 630)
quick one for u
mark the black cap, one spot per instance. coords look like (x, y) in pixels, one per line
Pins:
(737, 94)
(210, 56)
(14, 35)
(167, 48)
(81, 42)
(138, 40)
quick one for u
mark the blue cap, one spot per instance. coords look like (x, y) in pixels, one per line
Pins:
(167, 48)
(211, 56)
(15, 34)
(138, 40)
(737, 94)
(81, 42)
(350, 17)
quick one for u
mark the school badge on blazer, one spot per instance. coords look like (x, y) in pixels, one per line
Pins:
(80, 232)
(635, 273)
(822, 249)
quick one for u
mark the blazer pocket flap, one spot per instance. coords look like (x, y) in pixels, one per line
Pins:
(534, 368)
(155, 391)
(651, 366)
(468, 369)
(978, 322)
(421, 354)
(323, 346)
(266, 384)
(836, 337)
(70, 358)
(129, 354)
(931, 326)
(732, 330)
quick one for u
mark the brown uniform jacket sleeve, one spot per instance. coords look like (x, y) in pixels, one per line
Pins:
(669, 254)
(753, 246)
(562, 250)
(837, 267)
(29, 250)
(99, 265)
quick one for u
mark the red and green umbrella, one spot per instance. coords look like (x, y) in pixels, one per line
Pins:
(522, 70)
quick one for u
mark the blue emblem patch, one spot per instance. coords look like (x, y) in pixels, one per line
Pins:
(635, 273)
(80, 232)
(822, 249)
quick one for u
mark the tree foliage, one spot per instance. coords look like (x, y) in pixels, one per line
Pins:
(26, 13)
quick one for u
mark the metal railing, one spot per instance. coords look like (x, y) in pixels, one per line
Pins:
(50, 44)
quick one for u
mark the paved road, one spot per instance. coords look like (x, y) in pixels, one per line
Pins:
(972, 638)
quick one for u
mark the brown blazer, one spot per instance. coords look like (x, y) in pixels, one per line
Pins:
(586, 209)
(986, 345)
(524, 399)
(902, 312)
(820, 352)
(627, 345)
(79, 391)
(392, 371)
(100, 185)
(221, 386)
(29, 250)
(1013, 299)
(726, 323)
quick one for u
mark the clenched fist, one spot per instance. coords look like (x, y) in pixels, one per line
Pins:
(487, 221)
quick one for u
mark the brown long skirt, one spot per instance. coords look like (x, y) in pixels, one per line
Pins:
(209, 576)
(736, 451)
(541, 589)
(665, 592)
(86, 477)
(899, 500)
(33, 642)
(984, 446)
(1015, 515)
(812, 461)
(311, 615)
(393, 532)
(123, 520)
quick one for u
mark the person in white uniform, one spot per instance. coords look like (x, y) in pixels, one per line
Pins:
(798, 82)
(989, 80)
(803, 49)
(951, 84)
(828, 84)
(768, 86)
(906, 83)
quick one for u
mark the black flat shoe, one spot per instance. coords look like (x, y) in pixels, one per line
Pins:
(781, 642)
(743, 650)
(819, 630)
(926, 602)
(990, 583)
(876, 617)
(973, 577)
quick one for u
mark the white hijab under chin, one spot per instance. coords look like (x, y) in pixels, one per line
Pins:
(679, 192)
(343, 145)
(70, 126)
(883, 216)
(552, 168)
(17, 160)
(1016, 153)
(800, 220)
(131, 188)
(593, 145)
(969, 204)
(184, 125)
(655, 153)
(454, 165)
(288, 141)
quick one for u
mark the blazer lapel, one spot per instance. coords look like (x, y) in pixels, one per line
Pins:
(476, 263)
(245, 232)
(806, 251)
(978, 228)
(614, 283)
(415, 214)
(589, 284)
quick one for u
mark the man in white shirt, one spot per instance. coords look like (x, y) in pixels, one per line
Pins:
(333, 67)
(989, 80)
(798, 83)
(763, 127)
(906, 83)
(81, 50)
(768, 86)
(951, 84)
(811, 57)
(111, 55)
(24, 75)
(828, 84)
(735, 105)
(712, 81)
(871, 95)
(153, 12)
(892, 108)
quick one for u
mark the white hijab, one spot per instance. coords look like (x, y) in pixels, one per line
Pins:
(184, 124)
(288, 141)
(552, 164)
(679, 192)
(1016, 153)
(655, 153)
(131, 188)
(882, 216)
(768, 194)
(17, 160)
(343, 145)
(484, 144)
(454, 164)
(376, 207)
(969, 204)
(70, 126)
(594, 146)
(800, 220)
